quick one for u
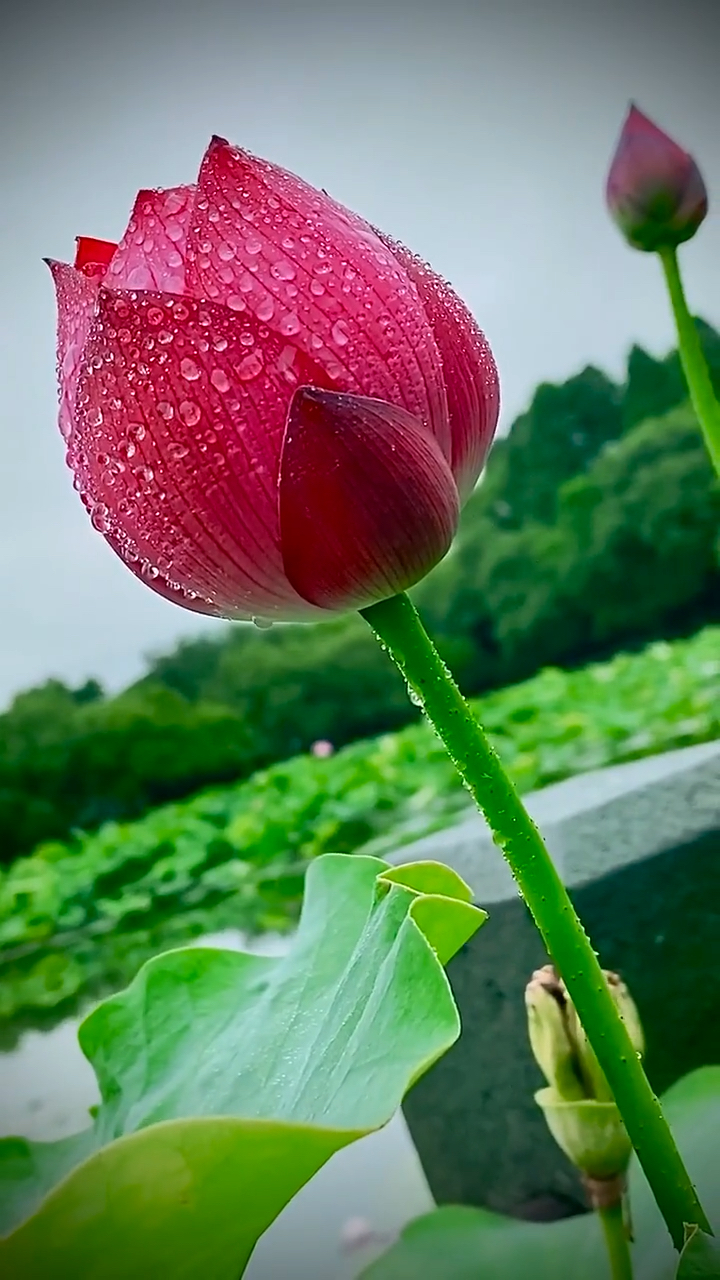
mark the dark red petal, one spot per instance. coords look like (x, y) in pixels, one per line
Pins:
(92, 257)
(151, 254)
(368, 503)
(264, 241)
(471, 377)
(178, 424)
(76, 296)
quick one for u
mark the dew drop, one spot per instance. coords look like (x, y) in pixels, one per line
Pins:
(136, 431)
(250, 366)
(189, 370)
(317, 288)
(246, 338)
(154, 315)
(174, 232)
(165, 409)
(190, 412)
(290, 325)
(126, 448)
(94, 416)
(180, 311)
(340, 334)
(225, 252)
(236, 303)
(176, 451)
(266, 309)
(100, 517)
(220, 344)
(262, 624)
(253, 246)
(174, 259)
(144, 476)
(288, 243)
(283, 270)
(165, 337)
(219, 379)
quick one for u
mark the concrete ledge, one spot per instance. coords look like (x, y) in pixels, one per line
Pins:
(639, 847)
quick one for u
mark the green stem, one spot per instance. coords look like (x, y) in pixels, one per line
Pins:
(399, 629)
(692, 357)
(616, 1239)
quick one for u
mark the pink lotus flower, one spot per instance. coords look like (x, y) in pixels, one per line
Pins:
(270, 408)
(655, 191)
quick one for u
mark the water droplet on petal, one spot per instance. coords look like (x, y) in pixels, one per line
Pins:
(176, 450)
(340, 334)
(190, 412)
(165, 409)
(144, 476)
(317, 288)
(226, 252)
(94, 416)
(266, 309)
(253, 246)
(165, 337)
(262, 624)
(246, 338)
(100, 517)
(136, 431)
(219, 379)
(250, 366)
(290, 325)
(189, 370)
(235, 303)
(283, 270)
(126, 448)
(220, 344)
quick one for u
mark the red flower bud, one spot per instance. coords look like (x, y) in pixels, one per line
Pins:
(187, 358)
(655, 191)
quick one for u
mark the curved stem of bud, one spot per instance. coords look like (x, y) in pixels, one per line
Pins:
(692, 357)
(398, 627)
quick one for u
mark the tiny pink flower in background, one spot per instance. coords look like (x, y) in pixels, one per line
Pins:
(359, 1234)
(322, 749)
(655, 191)
(271, 410)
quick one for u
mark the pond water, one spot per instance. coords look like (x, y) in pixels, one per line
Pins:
(338, 1222)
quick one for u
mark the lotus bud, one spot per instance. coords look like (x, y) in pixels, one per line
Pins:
(655, 191)
(578, 1104)
(549, 1031)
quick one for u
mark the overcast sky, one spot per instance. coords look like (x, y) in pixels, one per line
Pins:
(479, 133)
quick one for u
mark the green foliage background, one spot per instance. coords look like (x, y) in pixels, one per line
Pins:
(77, 918)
